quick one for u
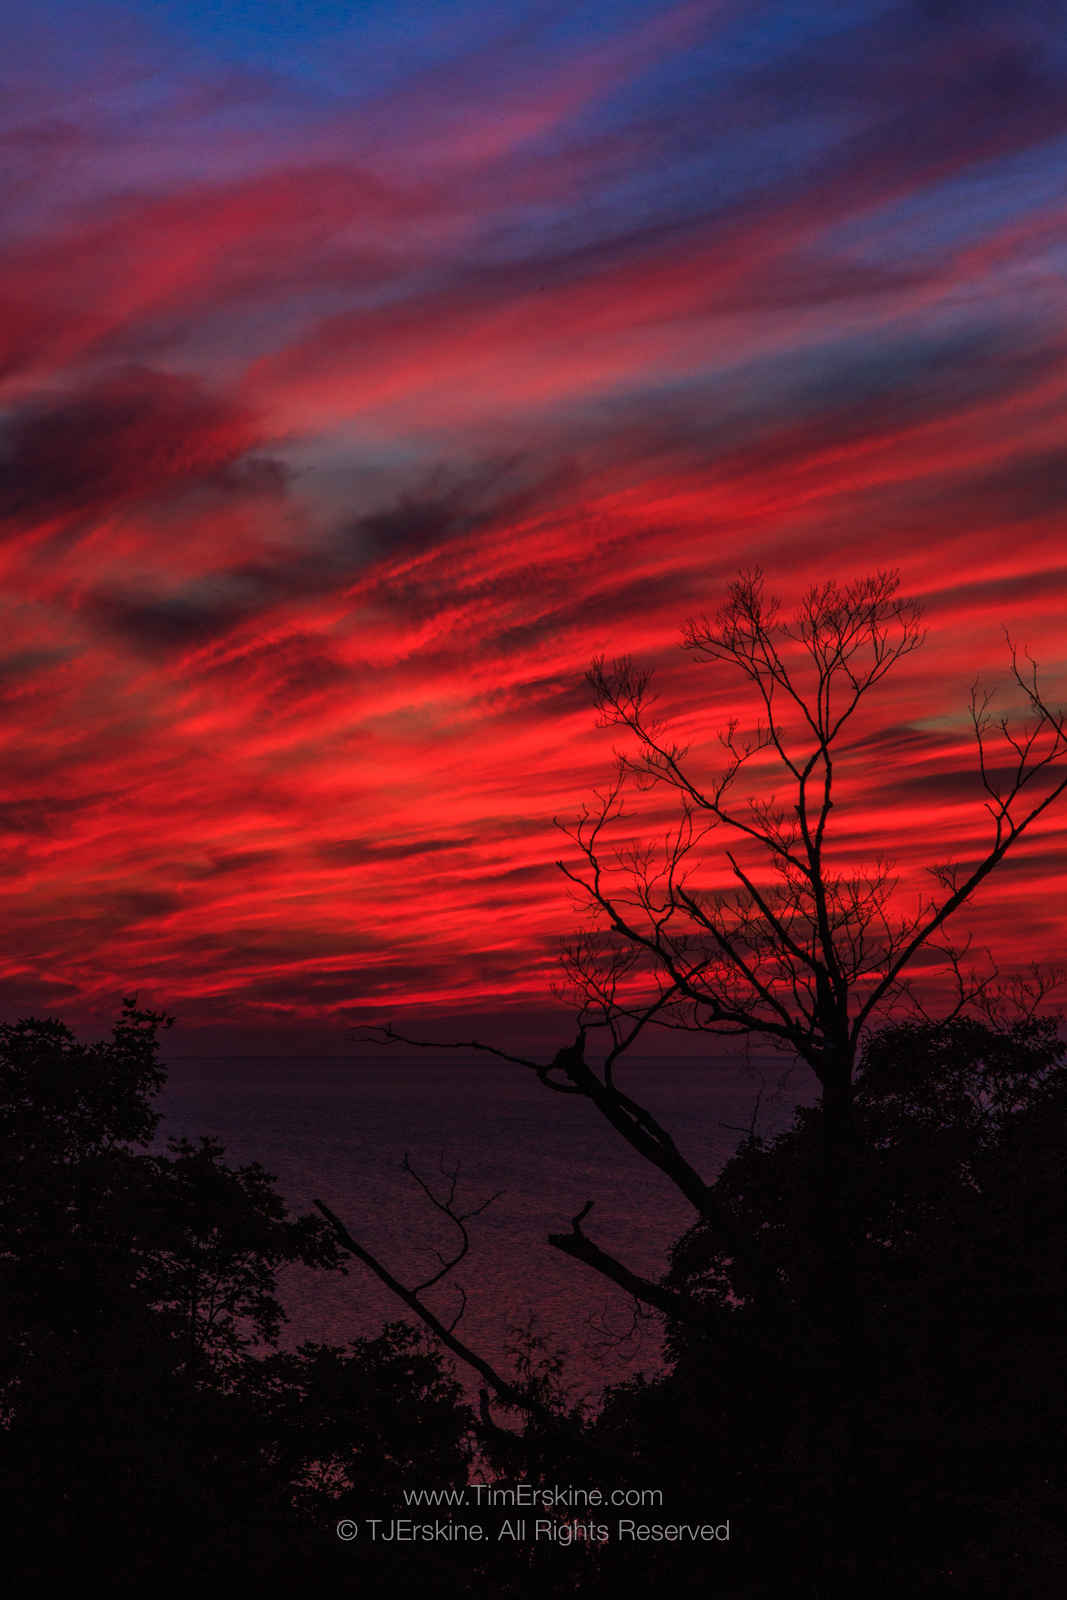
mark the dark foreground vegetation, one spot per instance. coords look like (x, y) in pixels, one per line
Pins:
(153, 1434)
(152, 1430)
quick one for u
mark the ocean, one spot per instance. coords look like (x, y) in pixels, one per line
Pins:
(339, 1131)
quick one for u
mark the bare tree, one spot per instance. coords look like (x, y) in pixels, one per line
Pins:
(798, 952)
(412, 1295)
(802, 950)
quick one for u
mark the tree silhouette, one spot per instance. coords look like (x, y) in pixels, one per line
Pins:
(963, 1239)
(149, 1423)
(802, 952)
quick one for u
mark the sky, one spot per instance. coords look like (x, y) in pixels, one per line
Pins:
(366, 370)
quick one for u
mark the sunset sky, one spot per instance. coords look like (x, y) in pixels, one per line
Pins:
(368, 369)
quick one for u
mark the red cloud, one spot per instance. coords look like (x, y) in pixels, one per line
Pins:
(324, 476)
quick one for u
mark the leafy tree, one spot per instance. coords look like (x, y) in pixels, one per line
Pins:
(148, 1422)
(962, 1217)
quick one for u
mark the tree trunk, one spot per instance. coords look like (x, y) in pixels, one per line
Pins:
(840, 1323)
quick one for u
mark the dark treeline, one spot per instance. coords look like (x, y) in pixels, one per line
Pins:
(155, 1433)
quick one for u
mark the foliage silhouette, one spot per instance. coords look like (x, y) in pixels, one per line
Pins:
(150, 1424)
(963, 1269)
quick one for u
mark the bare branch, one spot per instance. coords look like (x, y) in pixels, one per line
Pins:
(459, 1220)
(581, 1248)
(510, 1394)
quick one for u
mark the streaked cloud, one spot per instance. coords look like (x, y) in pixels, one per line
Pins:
(343, 419)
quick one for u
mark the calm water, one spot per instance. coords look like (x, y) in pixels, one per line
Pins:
(339, 1132)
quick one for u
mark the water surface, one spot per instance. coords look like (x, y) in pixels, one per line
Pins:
(339, 1131)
